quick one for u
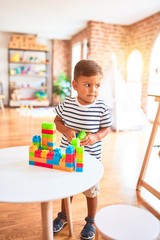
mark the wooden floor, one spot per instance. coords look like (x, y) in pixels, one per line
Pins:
(123, 153)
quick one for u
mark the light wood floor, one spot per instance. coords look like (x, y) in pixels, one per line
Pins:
(123, 154)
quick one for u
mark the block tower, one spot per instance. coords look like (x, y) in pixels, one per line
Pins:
(48, 136)
(43, 151)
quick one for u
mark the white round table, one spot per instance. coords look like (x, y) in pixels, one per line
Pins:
(125, 222)
(23, 183)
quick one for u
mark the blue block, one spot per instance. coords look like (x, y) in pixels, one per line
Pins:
(70, 149)
(70, 165)
(79, 169)
(31, 162)
(56, 158)
(50, 161)
(51, 144)
(55, 162)
(36, 139)
(58, 152)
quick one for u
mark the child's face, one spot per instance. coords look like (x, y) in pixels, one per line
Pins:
(87, 88)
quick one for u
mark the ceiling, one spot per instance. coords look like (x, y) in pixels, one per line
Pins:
(60, 19)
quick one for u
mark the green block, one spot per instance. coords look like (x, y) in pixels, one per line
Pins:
(53, 137)
(82, 135)
(51, 126)
(79, 160)
(75, 142)
(31, 154)
(44, 147)
(37, 144)
(80, 149)
(44, 135)
(48, 126)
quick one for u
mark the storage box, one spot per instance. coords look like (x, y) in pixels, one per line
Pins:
(43, 47)
(33, 46)
(13, 45)
(17, 38)
(23, 45)
(30, 39)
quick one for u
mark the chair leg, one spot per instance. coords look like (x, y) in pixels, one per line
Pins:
(67, 203)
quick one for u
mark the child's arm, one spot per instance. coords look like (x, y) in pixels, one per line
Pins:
(68, 132)
(93, 138)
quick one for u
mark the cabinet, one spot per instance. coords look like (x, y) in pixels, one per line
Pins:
(28, 77)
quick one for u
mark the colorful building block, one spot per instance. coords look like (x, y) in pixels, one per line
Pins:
(43, 151)
(81, 135)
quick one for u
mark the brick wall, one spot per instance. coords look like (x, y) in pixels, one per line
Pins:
(61, 57)
(105, 39)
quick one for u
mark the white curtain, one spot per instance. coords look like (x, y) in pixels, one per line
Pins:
(124, 112)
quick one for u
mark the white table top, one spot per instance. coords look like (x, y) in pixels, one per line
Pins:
(21, 182)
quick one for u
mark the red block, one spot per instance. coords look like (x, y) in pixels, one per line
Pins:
(50, 155)
(70, 158)
(38, 153)
(79, 165)
(48, 131)
(46, 165)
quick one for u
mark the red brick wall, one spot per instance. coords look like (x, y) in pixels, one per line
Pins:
(105, 39)
(61, 57)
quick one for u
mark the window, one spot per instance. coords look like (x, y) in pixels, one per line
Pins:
(154, 79)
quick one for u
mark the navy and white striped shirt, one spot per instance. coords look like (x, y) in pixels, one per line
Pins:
(89, 118)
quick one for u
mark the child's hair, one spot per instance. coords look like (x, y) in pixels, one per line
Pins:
(87, 68)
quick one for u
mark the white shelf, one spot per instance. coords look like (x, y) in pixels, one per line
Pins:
(28, 73)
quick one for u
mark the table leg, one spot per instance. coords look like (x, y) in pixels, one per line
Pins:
(47, 220)
(67, 203)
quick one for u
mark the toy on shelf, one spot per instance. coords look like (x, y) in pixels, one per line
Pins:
(43, 151)
(15, 57)
(40, 95)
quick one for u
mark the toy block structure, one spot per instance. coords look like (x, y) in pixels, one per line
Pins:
(48, 136)
(43, 151)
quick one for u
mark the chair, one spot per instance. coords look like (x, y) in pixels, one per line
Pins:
(1, 102)
(125, 222)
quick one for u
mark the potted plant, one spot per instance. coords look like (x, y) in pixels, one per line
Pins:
(61, 88)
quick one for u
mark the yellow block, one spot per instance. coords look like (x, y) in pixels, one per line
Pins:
(44, 153)
(33, 148)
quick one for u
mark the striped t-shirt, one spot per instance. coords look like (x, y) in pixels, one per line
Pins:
(89, 118)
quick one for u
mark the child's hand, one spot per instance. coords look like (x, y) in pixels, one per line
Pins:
(89, 139)
(70, 134)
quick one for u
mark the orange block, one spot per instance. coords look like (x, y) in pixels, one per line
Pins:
(41, 160)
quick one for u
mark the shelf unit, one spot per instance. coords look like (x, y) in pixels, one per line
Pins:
(28, 77)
